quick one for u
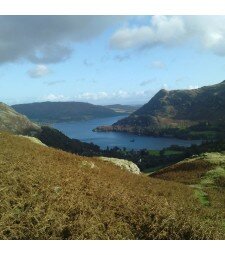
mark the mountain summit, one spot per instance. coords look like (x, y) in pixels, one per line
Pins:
(177, 109)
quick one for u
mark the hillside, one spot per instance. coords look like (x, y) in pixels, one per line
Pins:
(123, 109)
(196, 113)
(50, 194)
(63, 111)
(205, 174)
(16, 123)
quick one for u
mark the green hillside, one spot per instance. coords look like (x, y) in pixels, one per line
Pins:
(63, 111)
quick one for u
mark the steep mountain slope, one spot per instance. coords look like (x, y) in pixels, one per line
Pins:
(124, 109)
(51, 194)
(16, 123)
(176, 109)
(63, 111)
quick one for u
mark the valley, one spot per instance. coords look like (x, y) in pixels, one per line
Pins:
(56, 181)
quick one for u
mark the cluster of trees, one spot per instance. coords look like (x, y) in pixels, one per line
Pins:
(145, 160)
(56, 139)
(202, 130)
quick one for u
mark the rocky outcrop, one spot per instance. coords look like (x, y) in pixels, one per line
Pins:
(33, 139)
(123, 164)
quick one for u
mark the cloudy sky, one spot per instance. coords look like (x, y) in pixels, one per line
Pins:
(107, 59)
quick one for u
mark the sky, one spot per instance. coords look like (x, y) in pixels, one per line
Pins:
(107, 59)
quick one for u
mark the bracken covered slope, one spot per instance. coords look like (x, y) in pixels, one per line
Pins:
(50, 194)
(205, 174)
(16, 123)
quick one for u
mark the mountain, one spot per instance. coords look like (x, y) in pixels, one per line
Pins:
(51, 194)
(175, 112)
(63, 111)
(13, 122)
(123, 109)
(16, 123)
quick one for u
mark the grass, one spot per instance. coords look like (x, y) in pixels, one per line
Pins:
(202, 196)
(154, 152)
(151, 170)
(206, 134)
(205, 175)
(187, 171)
(50, 194)
(172, 152)
(214, 177)
(165, 153)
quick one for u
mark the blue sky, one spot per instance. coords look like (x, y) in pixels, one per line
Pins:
(106, 60)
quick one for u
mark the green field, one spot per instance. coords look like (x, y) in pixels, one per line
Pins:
(154, 152)
(165, 152)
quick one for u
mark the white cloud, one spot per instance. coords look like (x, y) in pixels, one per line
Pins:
(147, 82)
(39, 71)
(91, 96)
(95, 96)
(170, 31)
(121, 58)
(158, 64)
(165, 86)
(53, 97)
(54, 83)
(102, 97)
(193, 87)
(118, 96)
(181, 79)
(162, 30)
(88, 63)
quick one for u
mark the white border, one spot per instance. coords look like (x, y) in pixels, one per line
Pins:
(113, 7)
(111, 247)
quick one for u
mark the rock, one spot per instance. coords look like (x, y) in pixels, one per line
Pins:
(123, 164)
(33, 139)
(87, 164)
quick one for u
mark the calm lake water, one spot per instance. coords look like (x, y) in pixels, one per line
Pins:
(82, 130)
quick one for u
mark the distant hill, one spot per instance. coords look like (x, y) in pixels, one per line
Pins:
(13, 122)
(63, 111)
(124, 109)
(175, 112)
(18, 124)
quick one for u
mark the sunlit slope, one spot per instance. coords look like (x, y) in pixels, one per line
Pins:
(51, 194)
(186, 114)
(205, 174)
(16, 123)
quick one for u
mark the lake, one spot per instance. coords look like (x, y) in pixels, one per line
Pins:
(82, 130)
